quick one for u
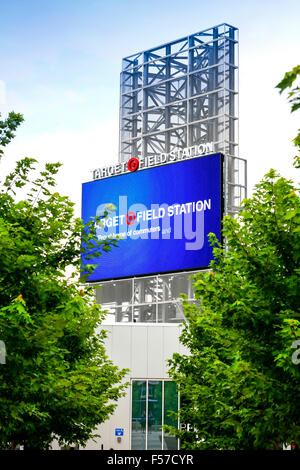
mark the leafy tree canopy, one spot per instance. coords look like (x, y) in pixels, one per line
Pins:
(293, 97)
(57, 381)
(240, 383)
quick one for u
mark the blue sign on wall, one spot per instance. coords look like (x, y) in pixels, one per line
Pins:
(162, 216)
(119, 432)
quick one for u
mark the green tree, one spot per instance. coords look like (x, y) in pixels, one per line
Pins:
(57, 381)
(239, 384)
(294, 94)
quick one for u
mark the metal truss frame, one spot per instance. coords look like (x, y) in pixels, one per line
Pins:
(177, 95)
(181, 94)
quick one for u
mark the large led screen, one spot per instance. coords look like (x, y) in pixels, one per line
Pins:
(161, 215)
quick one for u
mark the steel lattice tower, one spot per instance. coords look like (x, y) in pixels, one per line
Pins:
(184, 93)
(177, 95)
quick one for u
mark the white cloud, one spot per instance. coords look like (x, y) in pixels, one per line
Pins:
(74, 97)
(80, 152)
(2, 93)
(267, 126)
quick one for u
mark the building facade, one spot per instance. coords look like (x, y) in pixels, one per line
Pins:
(173, 98)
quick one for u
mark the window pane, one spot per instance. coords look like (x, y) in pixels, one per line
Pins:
(138, 426)
(170, 313)
(144, 313)
(110, 314)
(145, 290)
(171, 286)
(124, 314)
(170, 404)
(154, 414)
(117, 314)
(114, 292)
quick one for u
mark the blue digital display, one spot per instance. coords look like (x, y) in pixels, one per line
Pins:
(162, 216)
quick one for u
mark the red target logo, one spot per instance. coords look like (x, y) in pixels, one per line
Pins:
(130, 218)
(133, 164)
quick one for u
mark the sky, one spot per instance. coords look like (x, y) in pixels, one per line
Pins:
(61, 61)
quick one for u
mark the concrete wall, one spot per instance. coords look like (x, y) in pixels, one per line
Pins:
(144, 349)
